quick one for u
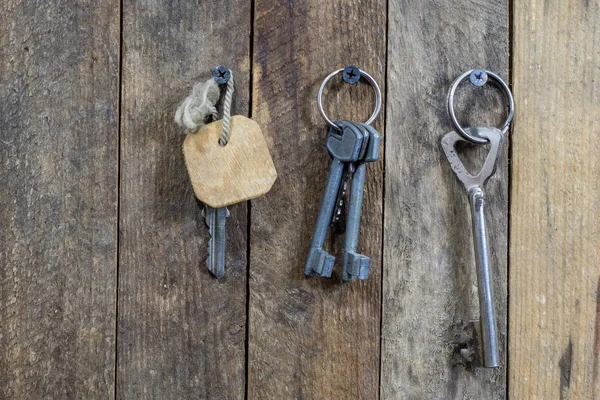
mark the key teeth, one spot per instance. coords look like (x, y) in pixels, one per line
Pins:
(208, 213)
(319, 263)
(356, 265)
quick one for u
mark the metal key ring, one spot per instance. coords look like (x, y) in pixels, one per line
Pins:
(369, 79)
(480, 80)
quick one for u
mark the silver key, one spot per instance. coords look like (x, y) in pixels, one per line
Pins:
(216, 219)
(474, 185)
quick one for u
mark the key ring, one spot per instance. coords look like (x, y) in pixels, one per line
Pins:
(352, 78)
(479, 77)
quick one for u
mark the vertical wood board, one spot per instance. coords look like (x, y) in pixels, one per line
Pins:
(313, 338)
(430, 304)
(59, 115)
(181, 331)
(555, 203)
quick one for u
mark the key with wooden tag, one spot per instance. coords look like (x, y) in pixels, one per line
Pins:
(228, 162)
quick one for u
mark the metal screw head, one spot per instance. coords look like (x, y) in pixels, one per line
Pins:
(351, 74)
(478, 77)
(221, 74)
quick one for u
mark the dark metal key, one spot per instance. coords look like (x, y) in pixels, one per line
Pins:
(356, 264)
(344, 147)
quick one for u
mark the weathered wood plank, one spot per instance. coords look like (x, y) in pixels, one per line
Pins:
(311, 338)
(59, 94)
(181, 332)
(429, 282)
(555, 206)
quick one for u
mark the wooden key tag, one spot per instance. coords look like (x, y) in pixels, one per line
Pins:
(225, 175)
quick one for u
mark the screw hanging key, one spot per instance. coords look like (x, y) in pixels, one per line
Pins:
(474, 185)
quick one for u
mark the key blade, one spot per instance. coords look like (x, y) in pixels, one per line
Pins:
(215, 219)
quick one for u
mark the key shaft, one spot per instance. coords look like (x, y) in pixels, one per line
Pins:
(318, 260)
(489, 335)
(355, 264)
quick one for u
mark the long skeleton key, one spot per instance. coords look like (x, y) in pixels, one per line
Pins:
(474, 185)
(356, 264)
(358, 144)
(216, 219)
(344, 148)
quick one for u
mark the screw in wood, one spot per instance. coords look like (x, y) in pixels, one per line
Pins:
(221, 74)
(478, 77)
(351, 74)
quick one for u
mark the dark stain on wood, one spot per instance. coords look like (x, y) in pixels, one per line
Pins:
(596, 345)
(297, 307)
(465, 344)
(565, 364)
(465, 355)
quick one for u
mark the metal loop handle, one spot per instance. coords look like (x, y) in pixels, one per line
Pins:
(369, 79)
(503, 86)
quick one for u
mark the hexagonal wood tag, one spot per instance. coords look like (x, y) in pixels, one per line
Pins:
(225, 175)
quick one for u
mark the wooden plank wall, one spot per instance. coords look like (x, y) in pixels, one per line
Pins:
(555, 242)
(59, 115)
(103, 286)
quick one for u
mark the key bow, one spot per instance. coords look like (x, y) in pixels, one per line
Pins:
(488, 169)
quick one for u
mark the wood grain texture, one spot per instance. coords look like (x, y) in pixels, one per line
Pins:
(181, 332)
(312, 338)
(225, 175)
(58, 198)
(555, 207)
(429, 283)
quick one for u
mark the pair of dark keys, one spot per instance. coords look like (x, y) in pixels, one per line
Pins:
(351, 145)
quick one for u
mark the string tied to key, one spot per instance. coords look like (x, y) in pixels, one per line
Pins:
(202, 100)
